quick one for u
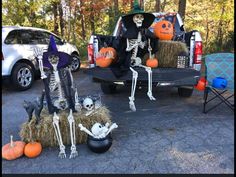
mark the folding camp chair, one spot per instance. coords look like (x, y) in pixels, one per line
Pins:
(219, 65)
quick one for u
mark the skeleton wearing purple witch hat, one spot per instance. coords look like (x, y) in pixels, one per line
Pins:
(60, 90)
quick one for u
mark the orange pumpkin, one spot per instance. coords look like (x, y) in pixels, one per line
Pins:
(108, 52)
(13, 150)
(164, 30)
(152, 62)
(201, 85)
(33, 149)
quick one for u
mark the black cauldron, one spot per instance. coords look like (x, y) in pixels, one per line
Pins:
(99, 145)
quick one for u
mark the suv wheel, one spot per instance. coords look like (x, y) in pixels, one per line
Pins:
(22, 76)
(108, 88)
(185, 92)
(75, 63)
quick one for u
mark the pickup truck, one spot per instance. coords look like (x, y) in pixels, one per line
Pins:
(182, 78)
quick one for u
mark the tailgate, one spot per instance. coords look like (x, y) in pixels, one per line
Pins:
(173, 76)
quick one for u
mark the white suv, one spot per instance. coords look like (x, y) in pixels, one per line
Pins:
(18, 61)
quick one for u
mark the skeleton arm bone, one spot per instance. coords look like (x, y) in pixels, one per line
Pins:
(38, 53)
(113, 126)
(82, 128)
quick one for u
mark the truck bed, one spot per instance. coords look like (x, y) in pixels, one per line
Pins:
(163, 76)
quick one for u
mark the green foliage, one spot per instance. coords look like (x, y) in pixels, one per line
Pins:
(214, 18)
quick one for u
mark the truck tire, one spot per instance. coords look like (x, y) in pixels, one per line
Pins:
(185, 92)
(108, 88)
(22, 76)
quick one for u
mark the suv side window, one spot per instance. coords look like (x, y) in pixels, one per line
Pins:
(41, 37)
(11, 38)
(47, 35)
(26, 37)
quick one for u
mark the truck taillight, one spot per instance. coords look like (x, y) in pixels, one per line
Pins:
(198, 52)
(90, 54)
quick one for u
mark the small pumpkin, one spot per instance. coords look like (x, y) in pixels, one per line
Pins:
(164, 30)
(152, 62)
(13, 150)
(33, 149)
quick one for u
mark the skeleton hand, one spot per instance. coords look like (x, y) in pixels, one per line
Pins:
(107, 124)
(114, 125)
(38, 52)
(82, 128)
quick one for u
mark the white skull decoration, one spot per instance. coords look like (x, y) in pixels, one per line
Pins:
(138, 19)
(88, 104)
(98, 129)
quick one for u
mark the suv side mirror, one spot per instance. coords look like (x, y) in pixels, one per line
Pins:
(63, 41)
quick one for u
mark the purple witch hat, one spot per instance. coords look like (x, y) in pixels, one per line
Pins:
(64, 58)
(52, 45)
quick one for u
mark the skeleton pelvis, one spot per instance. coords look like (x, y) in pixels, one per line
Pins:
(136, 61)
(61, 104)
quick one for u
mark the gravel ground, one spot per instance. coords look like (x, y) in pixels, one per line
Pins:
(169, 135)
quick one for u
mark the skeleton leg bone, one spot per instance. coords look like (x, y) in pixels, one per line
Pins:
(62, 153)
(71, 121)
(149, 71)
(133, 88)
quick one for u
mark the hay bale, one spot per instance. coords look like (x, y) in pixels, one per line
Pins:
(168, 52)
(44, 130)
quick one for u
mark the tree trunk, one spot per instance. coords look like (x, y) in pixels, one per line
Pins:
(61, 20)
(69, 21)
(74, 21)
(131, 4)
(163, 6)
(82, 20)
(141, 4)
(54, 9)
(158, 6)
(116, 8)
(220, 28)
(91, 16)
(182, 8)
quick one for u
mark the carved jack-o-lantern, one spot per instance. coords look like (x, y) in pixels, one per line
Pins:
(108, 52)
(164, 30)
(106, 56)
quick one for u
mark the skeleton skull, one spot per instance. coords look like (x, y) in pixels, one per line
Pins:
(98, 129)
(138, 20)
(88, 104)
(53, 59)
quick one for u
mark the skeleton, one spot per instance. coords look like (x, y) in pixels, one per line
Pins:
(59, 97)
(99, 131)
(133, 45)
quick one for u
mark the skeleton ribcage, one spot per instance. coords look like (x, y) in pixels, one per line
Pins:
(134, 44)
(54, 86)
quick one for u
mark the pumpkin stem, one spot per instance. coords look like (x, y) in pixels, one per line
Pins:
(11, 141)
